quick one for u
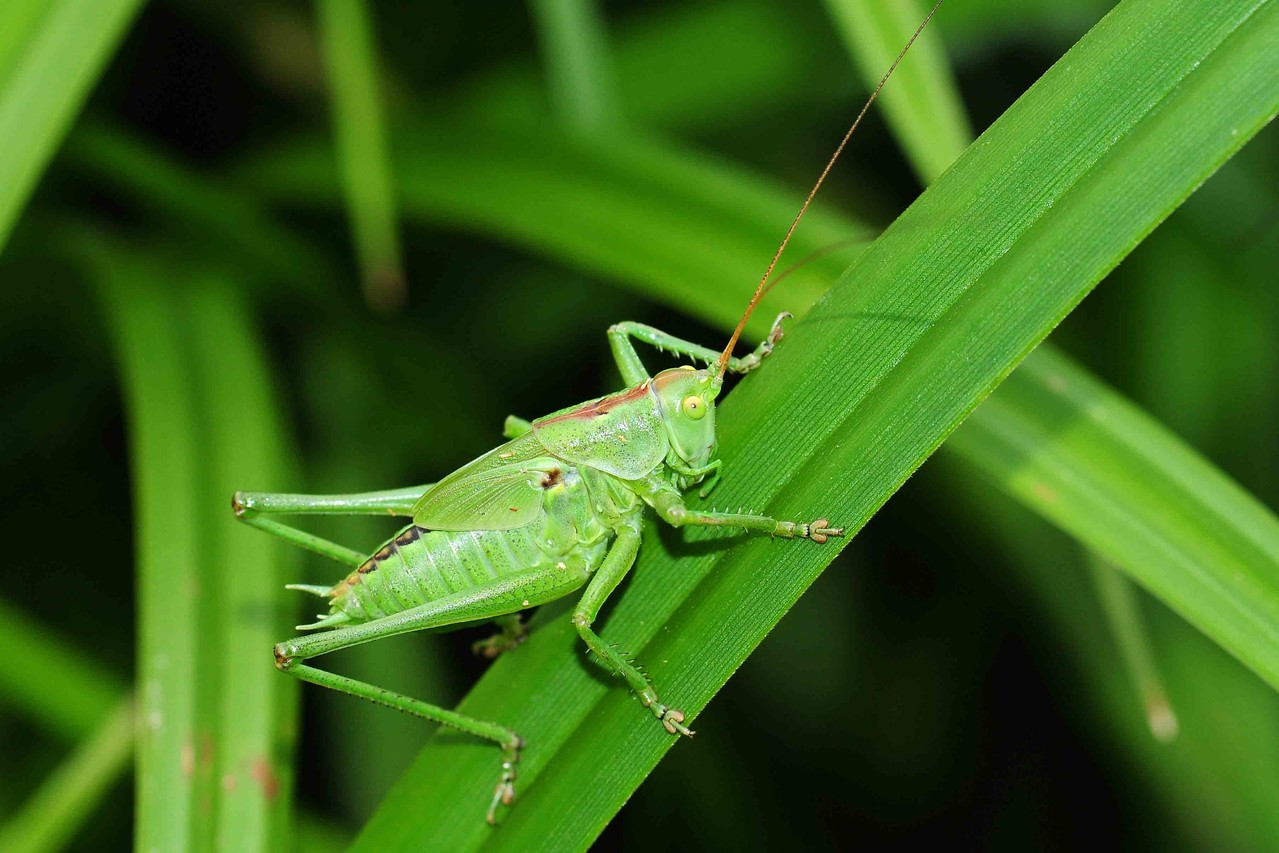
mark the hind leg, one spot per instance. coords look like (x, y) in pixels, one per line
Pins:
(250, 507)
(491, 601)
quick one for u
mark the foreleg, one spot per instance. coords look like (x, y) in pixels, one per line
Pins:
(634, 372)
(670, 506)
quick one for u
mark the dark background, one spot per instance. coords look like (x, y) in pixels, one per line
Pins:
(924, 691)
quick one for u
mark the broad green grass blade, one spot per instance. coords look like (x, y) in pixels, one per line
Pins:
(359, 127)
(255, 726)
(212, 708)
(21, 19)
(1050, 199)
(46, 72)
(1092, 463)
(49, 820)
(922, 104)
(932, 137)
(45, 676)
(164, 452)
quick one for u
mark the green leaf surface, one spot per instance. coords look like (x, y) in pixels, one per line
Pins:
(255, 725)
(51, 55)
(21, 18)
(1095, 465)
(1140, 112)
(163, 454)
(215, 719)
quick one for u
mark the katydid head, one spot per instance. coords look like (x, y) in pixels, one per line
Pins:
(687, 400)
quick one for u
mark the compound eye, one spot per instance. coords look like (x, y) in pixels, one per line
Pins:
(694, 407)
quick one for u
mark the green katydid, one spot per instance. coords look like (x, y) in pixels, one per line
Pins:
(558, 507)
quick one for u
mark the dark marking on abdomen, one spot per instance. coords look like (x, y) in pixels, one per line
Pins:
(390, 549)
(410, 535)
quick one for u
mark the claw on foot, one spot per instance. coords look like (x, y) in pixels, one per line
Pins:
(504, 791)
(495, 646)
(820, 530)
(775, 334)
(673, 721)
(503, 794)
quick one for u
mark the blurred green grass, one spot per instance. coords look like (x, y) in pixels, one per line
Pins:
(183, 190)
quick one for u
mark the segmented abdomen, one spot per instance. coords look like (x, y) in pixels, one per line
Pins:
(419, 566)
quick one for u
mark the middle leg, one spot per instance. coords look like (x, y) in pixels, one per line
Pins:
(511, 632)
(616, 564)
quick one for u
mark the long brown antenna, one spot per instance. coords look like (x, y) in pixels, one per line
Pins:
(816, 255)
(763, 282)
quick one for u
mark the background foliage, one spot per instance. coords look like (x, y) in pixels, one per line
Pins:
(328, 247)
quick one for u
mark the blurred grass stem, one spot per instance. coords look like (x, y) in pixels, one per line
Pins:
(1122, 610)
(359, 126)
(583, 91)
(50, 818)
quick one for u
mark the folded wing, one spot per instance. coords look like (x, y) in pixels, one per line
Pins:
(499, 491)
